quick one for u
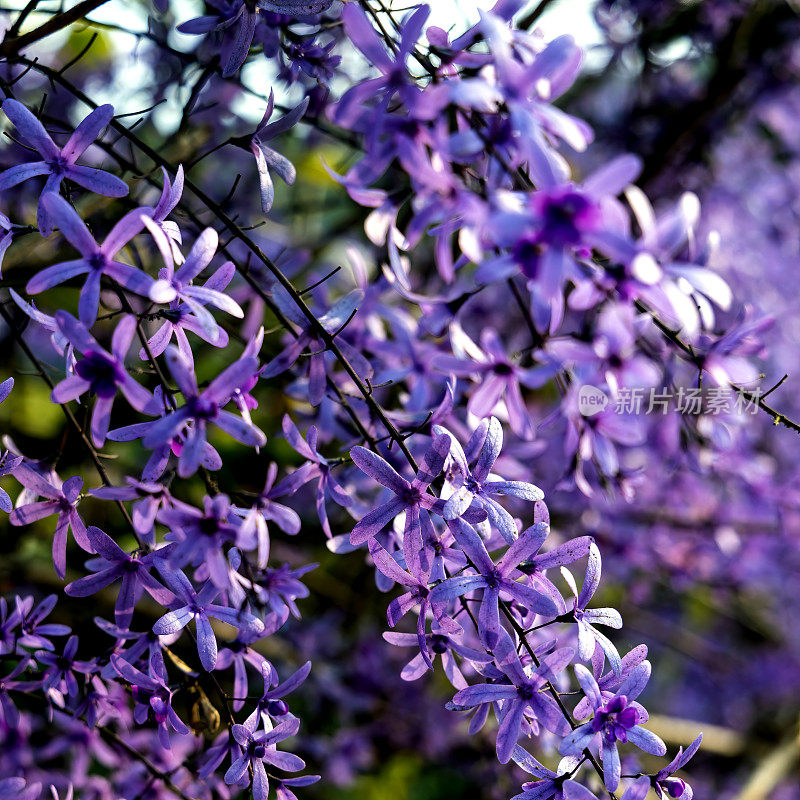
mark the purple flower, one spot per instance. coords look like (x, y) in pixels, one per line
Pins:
(266, 157)
(202, 408)
(173, 286)
(282, 790)
(523, 693)
(277, 588)
(96, 260)
(148, 498)
(317, 468)
(17, 788)
(412, 498)
(151, 695)
(58, 674)
(59, 164)
(394, 76)
(588, 635)
(258, 747)
(61, 499)
(500, 380)
(101, 373)
(238, 654)
(476, 485)
(418, 594)
(170, 197)
(115, 564)
(332, 321)
(437, 643)
(664, 781)
(266, 509)
(34, 632)
(198, 606)
(8, 462)
(270, 704)
(549, 784)
(616, 718)
(496, 579)
(199, 536)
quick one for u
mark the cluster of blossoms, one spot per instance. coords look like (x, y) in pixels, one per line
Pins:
(418, 362)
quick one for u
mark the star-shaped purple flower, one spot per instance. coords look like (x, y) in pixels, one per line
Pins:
(57, 163)
(101, 373)
(96, 260)
(199, 606)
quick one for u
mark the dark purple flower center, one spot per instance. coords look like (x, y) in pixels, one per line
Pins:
(208, 526)
(411, 496)
(173, 315)
(525, 692)
(101, 372)
(526, 254)
(566, 215)
(503, 369)
(615, 719)
(257, 750)
(97, 261)
(439, 643)
(202, 408)
(58, 166)
(493, 579)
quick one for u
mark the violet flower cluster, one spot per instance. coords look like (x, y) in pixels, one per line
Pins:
(229, 388)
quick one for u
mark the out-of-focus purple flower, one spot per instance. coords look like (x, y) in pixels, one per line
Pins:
(115, 564)
(57, 163)
(8, 462)
(500, 378)
(101, 373)
(34, 632)
(59, 670)
(96, 260)
(266, 509)
(18, 789)
(343, 311)
(283, 786)
(199, 606)
(61, 499)
(394, 76)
